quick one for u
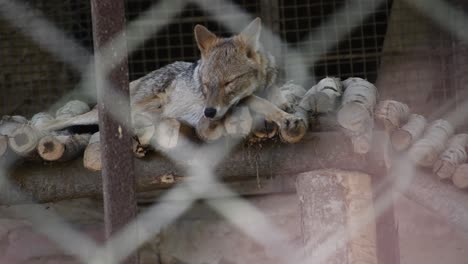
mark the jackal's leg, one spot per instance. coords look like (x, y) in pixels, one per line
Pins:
(292, 127)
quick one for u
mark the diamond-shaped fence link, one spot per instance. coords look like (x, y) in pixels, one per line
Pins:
(200, 174)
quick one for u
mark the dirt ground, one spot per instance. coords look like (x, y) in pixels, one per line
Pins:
(425, 238)
(203, 236)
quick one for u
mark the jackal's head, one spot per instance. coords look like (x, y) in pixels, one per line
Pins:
(230, 69)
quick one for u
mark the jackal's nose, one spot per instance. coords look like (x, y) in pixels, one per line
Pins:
(210, 112)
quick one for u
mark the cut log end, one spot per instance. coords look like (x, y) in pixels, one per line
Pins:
(92, 157)
(401, 139)
(50, 149)
(423, 155)
(92, 154)
(444, 169)
(324, 103)
(362, 143)
(390, 114)
(264, 129)
(353, 116)
(454, 155)
(460, 177)
(24, 141)
(426, 150)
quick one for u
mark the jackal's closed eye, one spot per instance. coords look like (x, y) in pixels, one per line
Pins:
(204, 88)
(236, 78)
(228, 82)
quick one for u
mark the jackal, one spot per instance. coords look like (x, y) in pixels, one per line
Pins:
(230, 71)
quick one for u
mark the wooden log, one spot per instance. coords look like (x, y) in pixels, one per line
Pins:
(426, 150)
(337, 211)
(15, 119)
(362, 142)
(356, 113)
(62, 147)
(460, 176)
(263, 129)
(67, 180)
(452, 157)
(403, 137)
(288, 96)
(357, 106)
(24, 140)
(328, 91)
(41, 120)
(238, 123)
(322, 97)
(72, 109)
(92, 154)
(3, 145)
(139, 150)
(390, 115)
(8, 124)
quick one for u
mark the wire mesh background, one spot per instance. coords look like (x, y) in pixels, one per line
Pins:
(37, 79)
(31, 79)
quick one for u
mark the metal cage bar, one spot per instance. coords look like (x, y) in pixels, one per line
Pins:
(118, 174)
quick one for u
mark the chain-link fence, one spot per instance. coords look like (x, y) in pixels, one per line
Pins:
(356, 54)
(369, 39)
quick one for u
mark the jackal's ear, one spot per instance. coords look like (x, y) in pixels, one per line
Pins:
(251, 34)
(205, 38)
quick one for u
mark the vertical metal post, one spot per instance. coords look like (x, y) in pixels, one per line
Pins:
(388, 245)
(108, 18)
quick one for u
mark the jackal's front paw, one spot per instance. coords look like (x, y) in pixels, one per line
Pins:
(292, 128)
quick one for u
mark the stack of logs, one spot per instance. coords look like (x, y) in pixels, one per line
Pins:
(350, 105)
(429, 145)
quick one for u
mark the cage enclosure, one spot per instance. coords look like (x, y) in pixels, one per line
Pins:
(318, 192)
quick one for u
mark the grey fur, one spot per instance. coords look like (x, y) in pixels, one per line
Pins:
(178, 90)
(230, 69)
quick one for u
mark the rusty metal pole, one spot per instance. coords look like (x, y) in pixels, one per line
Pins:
(388, 245)
(118, 175)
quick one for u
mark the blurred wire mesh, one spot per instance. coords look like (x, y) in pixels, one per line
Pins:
(38, 79)
(410, 58)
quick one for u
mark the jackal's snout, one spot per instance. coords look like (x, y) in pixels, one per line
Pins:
(210, 112)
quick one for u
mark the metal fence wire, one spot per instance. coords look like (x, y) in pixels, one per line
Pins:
(39, 79)
(332, 38)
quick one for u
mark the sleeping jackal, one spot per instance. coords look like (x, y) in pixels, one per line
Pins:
(230, 71)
